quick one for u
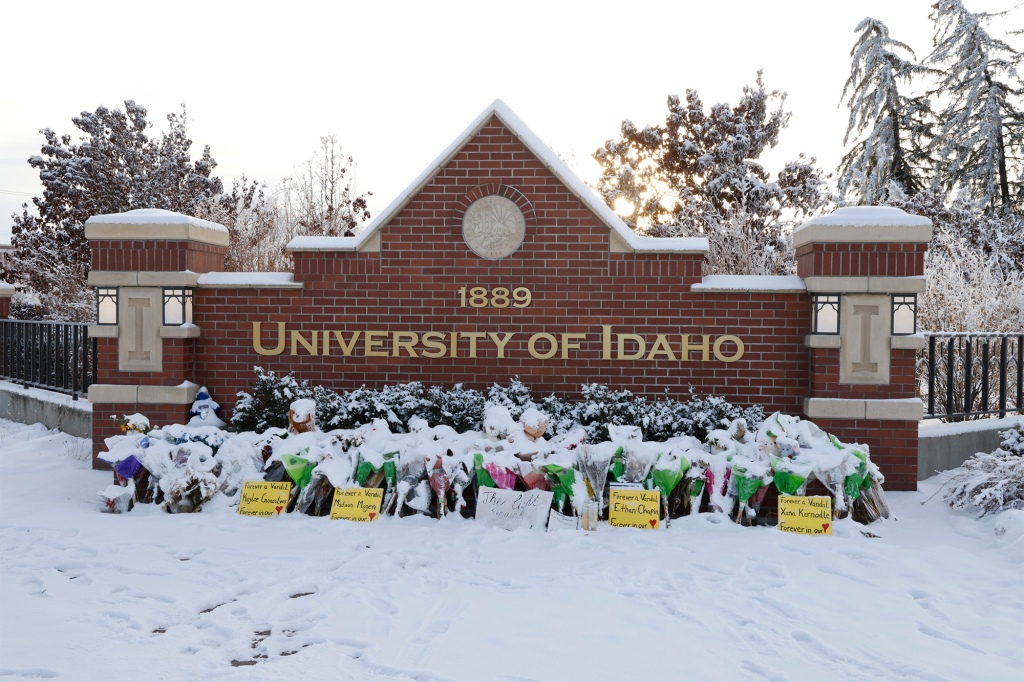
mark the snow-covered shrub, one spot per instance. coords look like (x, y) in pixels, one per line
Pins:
(659, 419)
(26, 305)
(401, 402)
(969, 291)
(516, 397)
(267, 405)
(1013, 441)
(994, 481)
(602, 406)
(463, 409)
(703, 414)
(460, 408)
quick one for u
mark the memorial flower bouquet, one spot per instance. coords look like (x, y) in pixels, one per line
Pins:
(435, 469)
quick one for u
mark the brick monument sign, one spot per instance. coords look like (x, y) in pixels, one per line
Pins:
(497, 261)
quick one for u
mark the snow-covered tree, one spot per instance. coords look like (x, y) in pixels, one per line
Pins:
(113, 167)
(699, 174)
(974, 266)
(888, 157)
(322, 198)
(980, 140)
(257, 232)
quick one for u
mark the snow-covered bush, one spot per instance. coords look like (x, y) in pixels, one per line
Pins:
(26, 305)
(516, 397)
(463, 409)
(1013, 441)
(994, 481)
(460, 408)
(267, 405)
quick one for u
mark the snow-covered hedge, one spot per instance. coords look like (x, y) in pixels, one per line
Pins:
(437, 469)
(993, 481)
(463, 409)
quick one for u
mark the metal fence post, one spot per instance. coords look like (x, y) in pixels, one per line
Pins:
(931, 375)
(1002, 377)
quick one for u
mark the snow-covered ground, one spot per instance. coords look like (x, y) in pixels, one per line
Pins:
(86, 595)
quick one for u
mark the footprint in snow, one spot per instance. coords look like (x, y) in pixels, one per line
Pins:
(831, 570)
(34, 587)
(761, 672)
(932, 632)
(28, 674)
(385, 606)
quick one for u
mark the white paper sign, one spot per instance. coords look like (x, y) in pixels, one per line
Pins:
(562, 522)
(511, 509)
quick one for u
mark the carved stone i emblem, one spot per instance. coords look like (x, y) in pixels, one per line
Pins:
(493, 227)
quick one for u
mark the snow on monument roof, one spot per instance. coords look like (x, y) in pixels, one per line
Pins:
(776, 283)
(153, 216)
(543, 152)
(248, 280)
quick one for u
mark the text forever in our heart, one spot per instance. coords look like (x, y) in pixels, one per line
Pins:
(264, 498)
(356, 504)
(805, 515)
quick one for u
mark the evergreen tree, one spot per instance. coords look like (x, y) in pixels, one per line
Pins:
(114, 167)
(699, 174)
(890, 159)
(980, 141)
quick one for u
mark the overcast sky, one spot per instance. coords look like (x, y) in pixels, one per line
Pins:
(396, 82)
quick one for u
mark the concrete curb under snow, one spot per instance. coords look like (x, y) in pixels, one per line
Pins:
(946, 446)
(53, 410)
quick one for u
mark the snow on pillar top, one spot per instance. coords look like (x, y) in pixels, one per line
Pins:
(863, 248)
(151, 240)
(155, 224)
(865, 224)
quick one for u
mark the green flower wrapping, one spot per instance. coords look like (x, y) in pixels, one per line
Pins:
(299, 469)
(483, 478)
(366, 469)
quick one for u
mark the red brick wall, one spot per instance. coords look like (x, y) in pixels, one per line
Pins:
(178, 364)
(152, 256)
(861, 260)
(576, 283)
(5, 307)
(772, 371)
(893, 446)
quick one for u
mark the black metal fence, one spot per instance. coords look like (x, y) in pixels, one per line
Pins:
(58, 356)
(969, 375)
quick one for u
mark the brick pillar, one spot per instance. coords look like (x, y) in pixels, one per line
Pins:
(6, 291)
(143, 364)
(862, 385)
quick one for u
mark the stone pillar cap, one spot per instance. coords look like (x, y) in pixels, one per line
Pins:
(6, 290)
(155, 224)
(865, 224)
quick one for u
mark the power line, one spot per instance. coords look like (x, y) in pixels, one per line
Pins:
(20, 194)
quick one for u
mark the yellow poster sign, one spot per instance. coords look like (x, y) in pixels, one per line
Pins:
(805, 515)
(356, 504)
(634, 508)
(264, 498)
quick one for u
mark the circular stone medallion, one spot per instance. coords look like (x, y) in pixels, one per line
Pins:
(493, 227)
